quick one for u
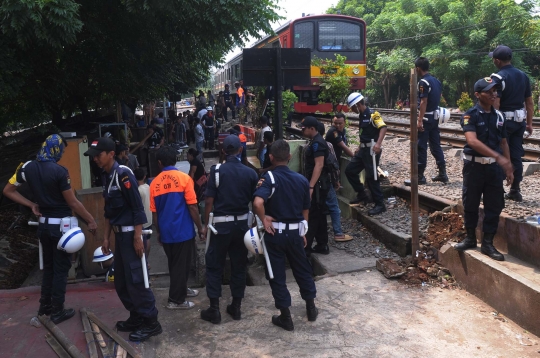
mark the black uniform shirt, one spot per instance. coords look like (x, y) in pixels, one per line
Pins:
(208, 121)
(155, 138)
(227, 95)
(335, 137)
(237, 183)
(431, 88)
(291, 195)
(489, 127)
(367, 130)
(47, 181)
(517, 87)
(316, 148)
(123, 204)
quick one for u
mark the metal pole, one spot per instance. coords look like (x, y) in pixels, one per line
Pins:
(278, 122)
(414, 163)
(165, 127)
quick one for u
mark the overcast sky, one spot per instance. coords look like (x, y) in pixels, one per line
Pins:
(293, 9)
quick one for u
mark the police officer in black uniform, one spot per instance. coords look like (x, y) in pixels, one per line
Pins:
(486, 163)
(319, 184)
(284, 206)
(429, 97)
(209, 128)
(229, 103)
(229, 191)
(514, 93)
(49, 184)
(125, 216)
(371, 129)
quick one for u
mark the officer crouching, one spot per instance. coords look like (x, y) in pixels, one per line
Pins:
(486, 162)
(125, 216)
(282, 200)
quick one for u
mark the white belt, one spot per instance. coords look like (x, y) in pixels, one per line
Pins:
(52, 221)
(228, 218)
(116, 228)
(516, 116)
(284, 226)
(481, 160)
(432, 112)
(365, 145)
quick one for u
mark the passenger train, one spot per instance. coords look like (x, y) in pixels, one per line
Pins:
(325, 35)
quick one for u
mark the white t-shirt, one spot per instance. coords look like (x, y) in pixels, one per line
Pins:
(144, 190)
(201, 113)
(265, 129)
(199, 133)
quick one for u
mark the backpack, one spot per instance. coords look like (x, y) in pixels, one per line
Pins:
(331, 165)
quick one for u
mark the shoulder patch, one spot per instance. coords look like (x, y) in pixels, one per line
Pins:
(315, 146)
(335, 134)
(466, 120)
(259, 183)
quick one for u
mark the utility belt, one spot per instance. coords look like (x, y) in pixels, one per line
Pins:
(365, 145)
(65, 224)
(230, 218)
(118, 228)
(301, 227)
(481, 160)
(517, 116)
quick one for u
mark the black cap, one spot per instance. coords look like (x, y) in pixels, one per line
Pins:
(310, 121)
(484, 84)
(100, 145)
(502, 52)
(231, 142)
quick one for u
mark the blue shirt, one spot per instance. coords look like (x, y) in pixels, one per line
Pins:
(290, 198)
(431, 88)
(490, 129)
(517, 87)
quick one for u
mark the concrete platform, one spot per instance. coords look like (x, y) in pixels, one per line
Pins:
(340, 262)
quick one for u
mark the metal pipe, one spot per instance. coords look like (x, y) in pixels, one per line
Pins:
(414, 162)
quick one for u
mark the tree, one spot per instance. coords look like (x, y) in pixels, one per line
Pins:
(334, 82)
(392, 65)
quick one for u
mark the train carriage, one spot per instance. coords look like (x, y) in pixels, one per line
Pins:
(325, 35)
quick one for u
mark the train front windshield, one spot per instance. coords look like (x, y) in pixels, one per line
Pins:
(339, 35)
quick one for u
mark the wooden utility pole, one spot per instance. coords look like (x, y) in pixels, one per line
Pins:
(278, 120)
(414, 163)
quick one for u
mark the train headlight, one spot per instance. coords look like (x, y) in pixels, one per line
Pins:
(356, 70)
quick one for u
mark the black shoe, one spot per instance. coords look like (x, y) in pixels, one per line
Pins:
(469, 242)
(321, 249)
(59, 314)
(312, 313)
(360, 198)
(488, 248)
(284, 322)
(234, 312)
(421, 181)
(45, 309)
(133, 323)
(377, 209)
(514, 195)
(150, 327)
(211, 314)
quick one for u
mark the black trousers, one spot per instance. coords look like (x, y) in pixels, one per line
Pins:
(289, 245)
(179, 260)
(483, 180)
(128, 278)
(56, 265)
(209, 137)
(515, 144)
(229, 240)
(227, 106)
(363, 160)
(317, 226)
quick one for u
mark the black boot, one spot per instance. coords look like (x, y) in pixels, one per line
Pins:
(514, 195)
(377, 209)
(212, 314)
(421, 177)
(321, 249)
(133, 323)
(360, 198)
(469, 242)
(284, 320)
(312, 311)
(150, 327)
(488, 248)
(59, 314)
(234, 308)
(442, 177)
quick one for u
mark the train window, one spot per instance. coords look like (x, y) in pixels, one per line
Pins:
(303, 35)
(339, 35)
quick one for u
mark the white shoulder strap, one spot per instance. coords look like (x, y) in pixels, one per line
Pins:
(128, 168)
(500, 117)
(217, 174)
(501, 79)
(273, 181)
(23, 176)
(427, 83)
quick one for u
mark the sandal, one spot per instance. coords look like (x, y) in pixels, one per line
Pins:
(341, 238)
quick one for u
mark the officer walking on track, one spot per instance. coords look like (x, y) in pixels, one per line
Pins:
(319, 184)
(229, 191)
(125, 216)
(372, 132)
(515, 90)
(486, 159)
(282, 201)
(49, 183)
(429, 97)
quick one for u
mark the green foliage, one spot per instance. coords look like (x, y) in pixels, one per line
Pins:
(334, 82)
(465, 102)
(288, 99)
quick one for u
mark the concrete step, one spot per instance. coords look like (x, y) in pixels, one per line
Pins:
(512, 287)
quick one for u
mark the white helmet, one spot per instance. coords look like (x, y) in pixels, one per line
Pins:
(107, 135)
(209, 108)
(253, 242)
(354, 98)
(444, 115)
(72, 241)
(99, 256)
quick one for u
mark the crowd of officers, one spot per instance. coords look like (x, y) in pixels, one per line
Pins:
(291, 206)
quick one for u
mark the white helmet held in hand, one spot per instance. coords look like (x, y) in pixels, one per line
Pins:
(102, 259)
(253, 241)
(354, 98)
(72, 241)
(444, 115)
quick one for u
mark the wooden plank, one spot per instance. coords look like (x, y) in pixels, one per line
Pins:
(89, 336)
(60, 351)
(61, 337)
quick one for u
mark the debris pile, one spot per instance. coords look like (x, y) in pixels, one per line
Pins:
(443, 227)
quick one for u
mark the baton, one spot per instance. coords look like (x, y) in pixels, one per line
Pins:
(374, 157)
(208, 233)
(260, 228)
(143, 261)
(35, 223)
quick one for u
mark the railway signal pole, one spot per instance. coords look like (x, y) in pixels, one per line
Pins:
(414, 162)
